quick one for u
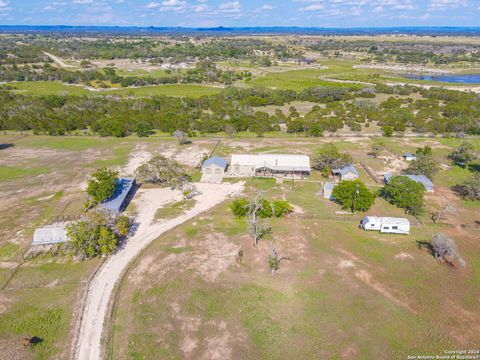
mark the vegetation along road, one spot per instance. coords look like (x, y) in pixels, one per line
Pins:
(88, 344)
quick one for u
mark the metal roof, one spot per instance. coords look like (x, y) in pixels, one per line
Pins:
(122, 189)
(345, 170)
(387, 220)
(50, 234)
(417, 178)
(273, 161)
(215, 160)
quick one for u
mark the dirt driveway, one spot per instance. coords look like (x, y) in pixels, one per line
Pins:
(88, 343)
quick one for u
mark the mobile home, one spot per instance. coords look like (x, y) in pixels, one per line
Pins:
(387, 225)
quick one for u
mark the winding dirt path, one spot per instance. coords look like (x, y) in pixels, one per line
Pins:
(88, 345)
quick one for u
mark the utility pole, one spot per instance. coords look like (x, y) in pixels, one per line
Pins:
(355, 198)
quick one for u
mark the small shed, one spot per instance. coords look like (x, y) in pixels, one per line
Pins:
(388, 225)
(348, 172)
(50, 234)
(214, 165)
(327, 190)
(422, 179)
(120, 198)
(409, 157)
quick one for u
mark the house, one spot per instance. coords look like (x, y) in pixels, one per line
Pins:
(214, 165)
(270, 165)
(409, 157)
(50, 234)
(348, 172)
(425, 181)
(388, 225)
(124, 188)
(327, 190)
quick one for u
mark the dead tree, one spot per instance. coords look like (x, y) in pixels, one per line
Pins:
(445, 249)
(274, 260)
(439, 215)
(181, 137)
(257, 227)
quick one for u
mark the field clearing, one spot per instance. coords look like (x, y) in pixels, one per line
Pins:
(41, 88)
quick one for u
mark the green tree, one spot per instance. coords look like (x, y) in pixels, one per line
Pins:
(143, 129)
(239, 207)
(162, 171)
(329, 158)
(464, 154)
(353, 195)
(91, 237)
(281, 207)
(102, 184)
(424, 165)
(405, 193)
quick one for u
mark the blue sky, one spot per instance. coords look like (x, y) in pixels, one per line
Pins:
(206, 13)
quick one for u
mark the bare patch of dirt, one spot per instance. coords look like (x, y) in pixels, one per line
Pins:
(138, 157)
(367, 279)
(12, 349)
(391, 164)
(404, 256)
(218, 347)
(344, 264)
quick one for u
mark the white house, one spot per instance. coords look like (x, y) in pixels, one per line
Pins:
(270, 165)
(348, 172)
(214, 165)
(328, 189)
(388, 225)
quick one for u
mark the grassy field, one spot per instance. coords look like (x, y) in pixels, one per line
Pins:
(57, 88)
(346, 293)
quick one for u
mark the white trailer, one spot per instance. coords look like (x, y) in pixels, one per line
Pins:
(388, 225)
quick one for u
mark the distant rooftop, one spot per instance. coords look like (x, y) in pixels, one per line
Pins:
(215, 160)
(345, 170)
(279, 162)
(417, 178)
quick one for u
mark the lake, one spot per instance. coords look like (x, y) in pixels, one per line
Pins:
(452, 78)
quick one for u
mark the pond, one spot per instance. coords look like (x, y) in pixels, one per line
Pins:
(452, 78)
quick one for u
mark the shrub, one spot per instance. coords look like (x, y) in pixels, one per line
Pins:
(239, 207)
(102, 185)
(281, 207)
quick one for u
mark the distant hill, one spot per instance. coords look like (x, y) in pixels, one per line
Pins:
(132, 30)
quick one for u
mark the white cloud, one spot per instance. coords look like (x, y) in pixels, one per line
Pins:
(200, 7)
(441, 5)
(230, 7)
(313, 7)
(82, 1)
(4, 6)
(264, 8)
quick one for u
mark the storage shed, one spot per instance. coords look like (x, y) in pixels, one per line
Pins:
(328, 189)
(270, 165)
(388, 225)
(409, 157)
(422, 179)
(214, 165)
(120, 198)
(348, 172)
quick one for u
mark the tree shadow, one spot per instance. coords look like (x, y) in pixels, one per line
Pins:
(425, 245)
(6, 146)
(474, 167)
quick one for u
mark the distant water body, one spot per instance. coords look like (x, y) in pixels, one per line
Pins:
(152, 30)
(452, 78)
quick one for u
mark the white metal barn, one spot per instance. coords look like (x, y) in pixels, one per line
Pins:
(214, 165)
(270, 165)
(388, 225)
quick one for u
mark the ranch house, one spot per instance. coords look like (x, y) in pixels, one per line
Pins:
(270, 165)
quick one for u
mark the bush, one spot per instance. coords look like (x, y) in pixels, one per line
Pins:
(239, 207)
(281, 207)
(470, 188)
